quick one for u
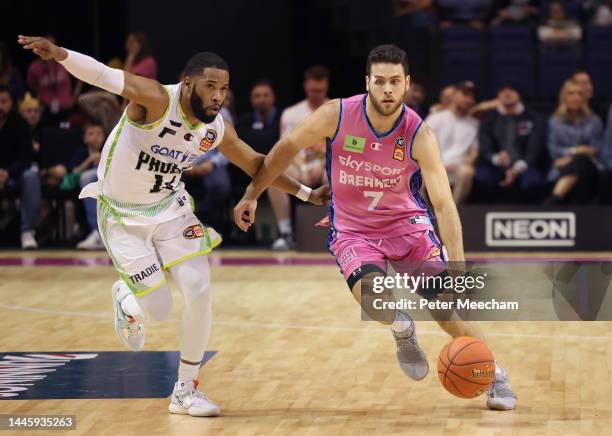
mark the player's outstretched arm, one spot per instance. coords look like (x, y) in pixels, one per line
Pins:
(425, 150)
(145, 92)
(248, 160)
(315, 129)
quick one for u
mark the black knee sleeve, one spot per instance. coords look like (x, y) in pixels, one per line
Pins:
(362, 271)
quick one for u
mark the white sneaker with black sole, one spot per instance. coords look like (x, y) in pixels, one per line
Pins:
(28, 242)
(188, 400)
(283, 243)
(93, 241)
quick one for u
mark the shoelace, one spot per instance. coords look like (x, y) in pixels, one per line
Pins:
(501, 388)
(133, 327)
(410, 348)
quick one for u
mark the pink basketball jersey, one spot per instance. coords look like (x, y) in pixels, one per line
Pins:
(374, 179)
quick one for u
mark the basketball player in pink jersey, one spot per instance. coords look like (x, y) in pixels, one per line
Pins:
(378, 153)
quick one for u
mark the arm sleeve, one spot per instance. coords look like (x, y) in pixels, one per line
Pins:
(95, 73)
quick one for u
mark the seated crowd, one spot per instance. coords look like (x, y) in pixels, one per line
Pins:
(499, 150)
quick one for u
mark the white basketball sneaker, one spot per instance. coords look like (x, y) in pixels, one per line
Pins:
(500, 394)
(188, 400)
(129, 330)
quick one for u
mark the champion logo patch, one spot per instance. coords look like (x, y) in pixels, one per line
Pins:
(376, 146)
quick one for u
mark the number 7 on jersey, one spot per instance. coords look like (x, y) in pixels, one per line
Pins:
(376, 196)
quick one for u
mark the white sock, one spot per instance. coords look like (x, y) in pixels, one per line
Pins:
(284, 226)
(188, 373)
(129, 304)
(402, 324)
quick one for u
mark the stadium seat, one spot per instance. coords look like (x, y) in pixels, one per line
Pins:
(513, 58)
(462, 56)
(599, 59)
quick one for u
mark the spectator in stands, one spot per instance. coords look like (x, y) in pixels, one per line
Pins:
(52, 85)
(574, 136)
(445, 99)
(600, 12)
(209, 182)
(415, 99)
(9, 74)
(264, 119)
(309, 166)
(516, 12)
(559, 31)
(30, 110)
(457, 134)
(102, 107)
(605, 157)
(510, 140)
(139, 59)
(16, 172)
(83, 167)
(473, 13)
(583, 78)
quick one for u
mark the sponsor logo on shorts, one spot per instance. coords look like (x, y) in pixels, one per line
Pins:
(354, 144)
(435, 252)
(209, 139)
(530, 229)
(193, 232)
(147, 272)
(347, 258)
(376, 146)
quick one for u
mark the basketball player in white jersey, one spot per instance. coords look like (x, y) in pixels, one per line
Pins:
(144, 213)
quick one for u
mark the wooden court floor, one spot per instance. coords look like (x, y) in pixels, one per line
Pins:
(293, 358)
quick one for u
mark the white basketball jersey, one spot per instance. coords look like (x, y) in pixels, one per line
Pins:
(139, 175)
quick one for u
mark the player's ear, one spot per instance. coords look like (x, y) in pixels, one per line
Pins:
(407, 82)
(367, 80)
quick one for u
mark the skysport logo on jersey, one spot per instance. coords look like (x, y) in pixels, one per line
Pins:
(355, 144)
(530, 229)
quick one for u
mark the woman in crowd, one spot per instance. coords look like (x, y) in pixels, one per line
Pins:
(574, 138)
(139, 59)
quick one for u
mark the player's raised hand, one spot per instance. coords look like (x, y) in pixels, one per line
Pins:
(320, 196)
(42, 47)
(244, 213)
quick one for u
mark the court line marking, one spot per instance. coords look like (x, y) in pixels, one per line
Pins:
(242, 324)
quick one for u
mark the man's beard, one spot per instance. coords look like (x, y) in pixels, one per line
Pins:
(198, 111)
(381, 110)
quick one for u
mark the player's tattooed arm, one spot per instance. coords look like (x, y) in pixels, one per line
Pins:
(148, 98)
(248, 160)
(426, 152)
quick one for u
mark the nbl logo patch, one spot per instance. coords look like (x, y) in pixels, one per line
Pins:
(209, 139)
(193, 232)
(399, 149)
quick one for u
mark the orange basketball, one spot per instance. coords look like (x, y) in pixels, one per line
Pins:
(466, 367)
